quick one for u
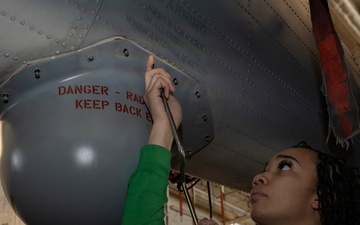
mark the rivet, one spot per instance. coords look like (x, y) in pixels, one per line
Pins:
(81, 36)
(22, 22)
(40, 32)
(79, 18)
(48, 36)
(13, 18)
(32, 27)
(3, 13)
(70, 34)
(64, 44)
(16, 58)
(7, 54)
(74, 27)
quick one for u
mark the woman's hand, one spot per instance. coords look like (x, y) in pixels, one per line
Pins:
(156, 80)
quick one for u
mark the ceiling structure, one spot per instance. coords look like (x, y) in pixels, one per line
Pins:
(346, 19)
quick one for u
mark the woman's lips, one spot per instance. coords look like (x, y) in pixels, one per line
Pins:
(256, 194)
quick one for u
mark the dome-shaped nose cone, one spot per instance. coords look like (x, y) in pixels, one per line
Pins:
(73, 127)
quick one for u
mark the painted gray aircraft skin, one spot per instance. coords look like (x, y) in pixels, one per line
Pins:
(73, 118)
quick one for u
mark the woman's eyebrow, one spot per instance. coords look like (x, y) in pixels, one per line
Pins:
(281, 156)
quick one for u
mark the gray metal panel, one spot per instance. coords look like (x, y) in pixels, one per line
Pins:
(73, 126)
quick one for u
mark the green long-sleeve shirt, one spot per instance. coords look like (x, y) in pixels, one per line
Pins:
(146, 193)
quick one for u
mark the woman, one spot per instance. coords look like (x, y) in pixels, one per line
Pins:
(303, 186)
(298, 186)
(146, 194)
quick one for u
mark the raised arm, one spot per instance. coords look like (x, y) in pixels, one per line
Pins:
(146, 194)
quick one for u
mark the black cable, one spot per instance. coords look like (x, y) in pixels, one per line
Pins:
(209, 196)
(191, 186)
(188, 188)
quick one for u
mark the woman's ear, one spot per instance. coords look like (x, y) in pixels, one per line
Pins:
(315, 203)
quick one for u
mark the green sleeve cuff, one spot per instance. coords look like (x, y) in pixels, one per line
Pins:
(154, 159)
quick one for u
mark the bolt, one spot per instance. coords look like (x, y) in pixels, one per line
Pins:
(197, 93)
(91, 58)
(5, 98)
(189, 151)
(175, 81)
(207, 138)
(205, 117)
(37, 73)
(126, 52)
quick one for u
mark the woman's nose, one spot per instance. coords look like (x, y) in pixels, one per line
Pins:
(259, 179)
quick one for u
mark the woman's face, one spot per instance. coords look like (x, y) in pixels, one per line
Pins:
(285, 192)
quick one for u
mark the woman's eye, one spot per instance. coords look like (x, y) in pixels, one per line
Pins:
(285, 165)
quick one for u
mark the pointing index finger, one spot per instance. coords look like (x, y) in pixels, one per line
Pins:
(150, 63)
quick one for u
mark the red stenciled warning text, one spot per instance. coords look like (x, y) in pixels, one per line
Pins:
(101, 104)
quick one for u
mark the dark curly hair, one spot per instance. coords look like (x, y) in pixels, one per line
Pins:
(338, 189)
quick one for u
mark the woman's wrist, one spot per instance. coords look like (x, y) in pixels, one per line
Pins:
(161, 134)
